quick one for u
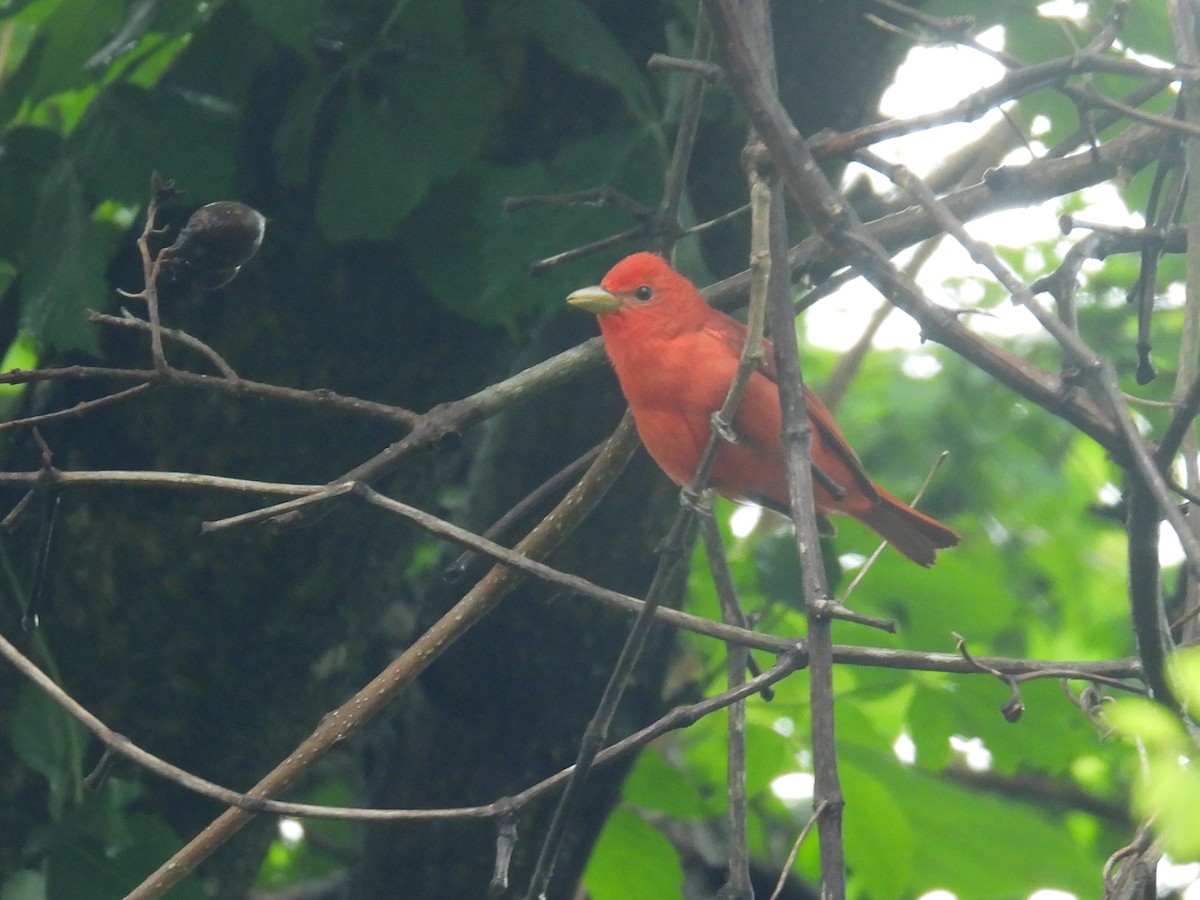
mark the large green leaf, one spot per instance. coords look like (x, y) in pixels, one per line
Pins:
(656, 784)
(1048, 738)
(1147, 29)
(25, 884)
(375, 171)
(26, 154)
(972, 843)
(481, 271)
(879, 835)
(50, 743)
(633, 861)
(97, 870)
(573, 33)
(393, 141)
(293, 23)
(176, 134)
(181, 111)
(1167, 790)
(293, 142)
(62, 265)
(70, 35)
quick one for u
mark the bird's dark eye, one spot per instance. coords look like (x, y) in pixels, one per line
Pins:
(643, 292)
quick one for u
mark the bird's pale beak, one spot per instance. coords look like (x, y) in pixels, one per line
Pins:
(595, 299)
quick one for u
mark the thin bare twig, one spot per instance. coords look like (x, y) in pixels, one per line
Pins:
(51, 498)
(875, 554)
(161, 190)
(81, 408)
(317, 399)
(737, 885)
(537, 267)
(710, 72)
(434, 426)
(1013, 707)
(525, 506)
(1022, 79)
(817, 813)
(128, 320)
(675, 177)
(1004, 188)
(604, 195)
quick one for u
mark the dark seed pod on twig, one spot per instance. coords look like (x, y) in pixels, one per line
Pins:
(210, 281)
(216, 241)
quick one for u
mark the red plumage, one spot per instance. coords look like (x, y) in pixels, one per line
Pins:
(675, 357)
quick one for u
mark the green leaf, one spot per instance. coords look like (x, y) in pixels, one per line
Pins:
(1184, 672)
(319, 851)
(449, 103)
(13, 8)
(139, 17)
(633, 861)
(179, 135)
(21, 354)
(157, 60)
(390, 145)
(292, 23)
(25, 884)
(1168, 789)
(1038, 39)
(221, 63)
(62, 265)
(1049, 736)
(50, 742)
(1024, 848)
(656, 784)
(103, 815)
(477, 264)
(293, 140)
(375, 171)
(439, 22)
(71, 35)
(1148, 722)
(875, 820)
(624, 159)
(1062, 114)
(1169, 794)
(768, 754)
(1147, 29)
(26, 155)
(573, 33)
(87, 868)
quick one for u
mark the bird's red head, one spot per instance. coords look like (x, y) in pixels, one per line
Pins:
(644, 277)
(638, 270)
(643, 294)
(643, 291)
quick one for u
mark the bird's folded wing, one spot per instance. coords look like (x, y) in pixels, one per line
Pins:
(733, 334)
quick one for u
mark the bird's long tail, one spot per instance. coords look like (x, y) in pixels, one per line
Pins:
(913, 533)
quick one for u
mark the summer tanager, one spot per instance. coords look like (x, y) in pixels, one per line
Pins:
(675, 357)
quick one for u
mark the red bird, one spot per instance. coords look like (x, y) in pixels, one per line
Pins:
(675, 357)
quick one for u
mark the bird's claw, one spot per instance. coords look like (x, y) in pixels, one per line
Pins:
(699, 502)
(724, 429)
